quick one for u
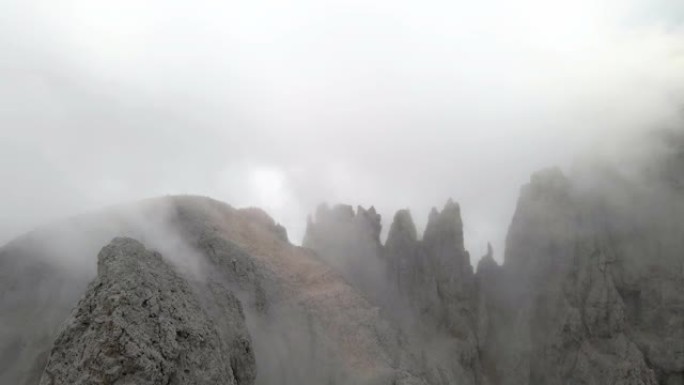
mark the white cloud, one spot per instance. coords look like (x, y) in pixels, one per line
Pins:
(285, 105)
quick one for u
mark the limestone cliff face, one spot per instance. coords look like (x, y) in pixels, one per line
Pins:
(142, 323)
(564, 319)
(592, 289)
(451, 270)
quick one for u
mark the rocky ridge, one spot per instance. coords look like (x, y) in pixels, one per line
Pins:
(140, 322)
(435, 306)
(591, 291)
(219, 258)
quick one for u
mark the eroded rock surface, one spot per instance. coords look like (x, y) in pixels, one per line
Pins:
(142, 323)
(564, 317)
(592, 289)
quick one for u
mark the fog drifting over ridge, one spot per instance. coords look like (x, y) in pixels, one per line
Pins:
(285, 105)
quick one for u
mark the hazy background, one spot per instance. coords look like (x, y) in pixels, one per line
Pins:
(283, 105)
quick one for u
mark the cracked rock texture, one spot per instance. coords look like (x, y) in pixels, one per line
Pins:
(141, 323)
(592, 290)
(559, 317)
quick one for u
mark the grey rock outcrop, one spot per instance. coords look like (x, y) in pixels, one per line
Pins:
(404, 267)
(564, 318)
(349, 241)
(444, 248)
(425, 287)
(591, 291)
(592, 287)
(447, 297)
(140, 322)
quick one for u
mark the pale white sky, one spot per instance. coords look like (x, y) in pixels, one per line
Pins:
(286, 104)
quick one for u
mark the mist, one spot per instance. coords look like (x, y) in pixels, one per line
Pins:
(284, 106)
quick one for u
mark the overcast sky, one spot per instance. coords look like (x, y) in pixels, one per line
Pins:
(285, 104)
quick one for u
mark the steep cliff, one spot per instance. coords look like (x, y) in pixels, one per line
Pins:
(564, 318)
(591, 291)
(594, 284)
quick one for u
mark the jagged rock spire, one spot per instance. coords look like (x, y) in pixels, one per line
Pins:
(402, 228)
(487, 262)
(401, 251)
(443, 241)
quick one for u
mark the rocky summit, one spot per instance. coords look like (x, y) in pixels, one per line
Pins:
(141, 323)
(189, 290)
